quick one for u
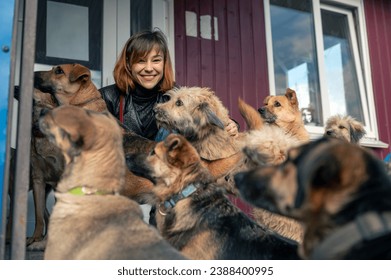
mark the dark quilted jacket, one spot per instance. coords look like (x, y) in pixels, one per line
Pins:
(138, 108)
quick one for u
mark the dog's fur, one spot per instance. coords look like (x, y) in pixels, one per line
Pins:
(71, 84)
(199, 115)
(283, 111)
(95, 222)
(204, 224)
(268, 145)
(344, 127)
(331, 186)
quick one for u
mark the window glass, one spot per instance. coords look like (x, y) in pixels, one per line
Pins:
(340, 69)
(294, 54)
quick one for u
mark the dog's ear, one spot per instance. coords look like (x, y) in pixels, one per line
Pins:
(357, 131)
(173, 142)
(79, 73)
(291, 95)
(210, 115)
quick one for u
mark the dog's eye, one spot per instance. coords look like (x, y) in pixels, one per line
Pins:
(341, 127)
(179, 102)
(277, 104)
(58, 71)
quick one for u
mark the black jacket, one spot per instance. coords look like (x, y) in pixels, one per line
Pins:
(138, 108)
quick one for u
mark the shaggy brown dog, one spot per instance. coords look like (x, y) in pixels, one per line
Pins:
(283, 111)
(198, 114)
(71, 84)
(268, 145)
(90, 220)
(340, 191)
(195, 215)
(344, 127)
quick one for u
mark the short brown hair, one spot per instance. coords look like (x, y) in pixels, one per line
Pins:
(138, 46)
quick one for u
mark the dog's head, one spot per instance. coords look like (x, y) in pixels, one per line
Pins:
(87, 139)
(344, 127)
(192, 111)
(281, 110)
(171, 164)
(318, 177)
(63, 81)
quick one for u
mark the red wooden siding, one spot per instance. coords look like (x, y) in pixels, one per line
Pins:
(378, 21)
(233, 66)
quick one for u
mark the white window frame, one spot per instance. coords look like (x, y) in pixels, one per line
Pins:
(360, 52)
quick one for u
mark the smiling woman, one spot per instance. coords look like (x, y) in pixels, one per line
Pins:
(143, 73)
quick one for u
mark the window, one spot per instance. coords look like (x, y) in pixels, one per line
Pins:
(69, 31)
(319, 49)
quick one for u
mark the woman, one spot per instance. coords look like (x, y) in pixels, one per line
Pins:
(142, 74)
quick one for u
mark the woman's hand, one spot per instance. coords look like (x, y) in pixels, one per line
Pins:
(232, 128)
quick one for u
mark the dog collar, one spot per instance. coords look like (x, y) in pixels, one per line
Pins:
(366, 227)
(173, 200)
(82, 190)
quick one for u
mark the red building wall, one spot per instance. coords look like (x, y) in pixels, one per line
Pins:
(378, 22)
(233, 66)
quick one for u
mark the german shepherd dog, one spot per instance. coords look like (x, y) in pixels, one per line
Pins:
(90, 220)
(340, 191)
(193, 212)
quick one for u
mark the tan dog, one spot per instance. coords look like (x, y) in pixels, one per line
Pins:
(90, 220)
(340, 192)
(195, 215)
(268, 145)
(71, 84)
(345, 127)
(199, 115)
(283, 111)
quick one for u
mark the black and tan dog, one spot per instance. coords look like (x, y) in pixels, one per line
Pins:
(90, 220)
(193, 212)
(340, 191)
(46, 167)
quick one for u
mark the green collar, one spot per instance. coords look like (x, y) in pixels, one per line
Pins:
(82, 190)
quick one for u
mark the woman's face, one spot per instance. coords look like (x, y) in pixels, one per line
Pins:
(148, 70)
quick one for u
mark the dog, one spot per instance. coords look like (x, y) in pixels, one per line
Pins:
(64, 84)
(194, 213)
(268, 145)
(199, 115)
(345, 127)
(340, 191)
(46, 165)
(70, 84)
(283, 111)
(90, 220)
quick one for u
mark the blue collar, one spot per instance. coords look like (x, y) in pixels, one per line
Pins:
(173, 200)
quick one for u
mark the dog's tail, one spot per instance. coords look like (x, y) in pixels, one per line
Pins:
(251, 116)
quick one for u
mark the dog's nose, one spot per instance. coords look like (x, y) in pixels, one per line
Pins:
(261, 110)
(329, 132)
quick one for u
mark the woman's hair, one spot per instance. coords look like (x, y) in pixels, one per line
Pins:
(138, 46)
